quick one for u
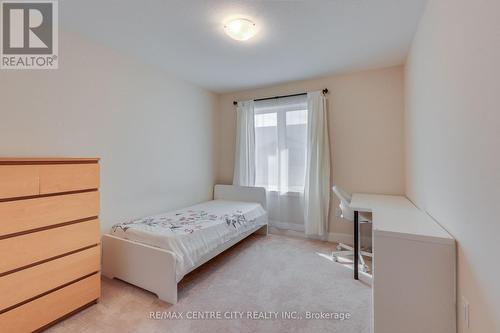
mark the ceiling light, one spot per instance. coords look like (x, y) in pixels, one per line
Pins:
(240, 29)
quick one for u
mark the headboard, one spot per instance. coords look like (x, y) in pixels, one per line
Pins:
(241, 193)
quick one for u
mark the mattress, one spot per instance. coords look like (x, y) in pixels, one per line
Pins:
(193, 232)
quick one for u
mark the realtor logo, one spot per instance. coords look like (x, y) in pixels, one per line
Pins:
(29, 34)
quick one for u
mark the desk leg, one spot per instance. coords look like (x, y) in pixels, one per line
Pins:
(356, 244)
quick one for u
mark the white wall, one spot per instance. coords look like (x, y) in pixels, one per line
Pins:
(453, 142)
(365, 115)
(153, 133)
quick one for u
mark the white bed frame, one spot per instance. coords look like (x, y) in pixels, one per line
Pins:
(152, 268)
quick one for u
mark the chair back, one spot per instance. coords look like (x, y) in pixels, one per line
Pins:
(345, 203)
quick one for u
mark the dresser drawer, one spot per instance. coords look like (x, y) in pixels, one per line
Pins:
(33, 281)
(23, 215)
(44, 310)
(18, 181)
(20, 251)
(57, 178)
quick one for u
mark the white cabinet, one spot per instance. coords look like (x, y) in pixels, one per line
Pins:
(414, 268)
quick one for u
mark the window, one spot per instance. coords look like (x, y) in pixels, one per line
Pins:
(280, 143)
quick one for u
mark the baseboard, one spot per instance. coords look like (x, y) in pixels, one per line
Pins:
(337, 237)
(334, 237)
(287, 225)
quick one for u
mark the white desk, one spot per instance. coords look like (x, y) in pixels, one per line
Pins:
(413, 267)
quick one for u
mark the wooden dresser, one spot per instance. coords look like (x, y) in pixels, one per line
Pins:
(49, 240)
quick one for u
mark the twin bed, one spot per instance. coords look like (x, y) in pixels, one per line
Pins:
(156, 252)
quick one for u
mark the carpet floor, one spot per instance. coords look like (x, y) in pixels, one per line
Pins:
(258, 282)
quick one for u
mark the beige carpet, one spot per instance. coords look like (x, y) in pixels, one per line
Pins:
(268, 274)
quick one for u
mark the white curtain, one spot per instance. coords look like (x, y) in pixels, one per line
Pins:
(244, 163)
(317, 182)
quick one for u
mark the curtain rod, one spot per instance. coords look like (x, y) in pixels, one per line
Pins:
(325, 91)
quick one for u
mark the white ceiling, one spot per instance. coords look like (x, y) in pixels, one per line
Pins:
(297, 39)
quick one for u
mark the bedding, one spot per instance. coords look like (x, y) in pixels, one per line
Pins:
(192, 232)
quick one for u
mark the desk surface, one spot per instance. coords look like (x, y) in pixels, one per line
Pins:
(398, 216)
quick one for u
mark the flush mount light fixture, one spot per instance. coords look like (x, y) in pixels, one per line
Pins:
(240, 29)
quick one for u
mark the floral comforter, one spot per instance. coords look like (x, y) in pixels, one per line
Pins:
(195, 231)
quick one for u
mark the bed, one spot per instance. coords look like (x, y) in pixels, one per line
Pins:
(156, 252)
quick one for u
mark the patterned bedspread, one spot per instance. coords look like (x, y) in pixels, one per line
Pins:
(193, 232)
(186, 221)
